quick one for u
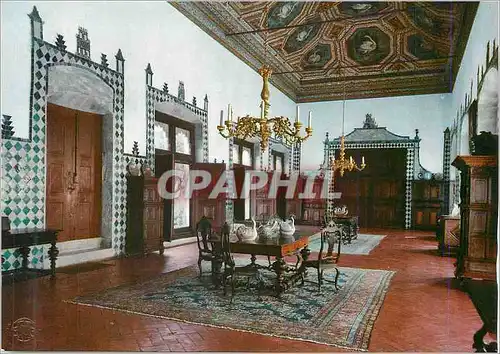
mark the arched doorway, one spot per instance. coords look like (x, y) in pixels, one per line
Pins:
(78, 117)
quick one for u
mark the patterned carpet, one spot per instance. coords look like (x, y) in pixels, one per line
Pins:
(363, 244)
(343, 319)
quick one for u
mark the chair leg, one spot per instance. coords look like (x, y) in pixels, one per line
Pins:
(199, 265)
(320, 275)
(232, 287)
(224, 284)
(336, 278)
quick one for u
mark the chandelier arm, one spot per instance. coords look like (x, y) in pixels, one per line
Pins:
(283, 128)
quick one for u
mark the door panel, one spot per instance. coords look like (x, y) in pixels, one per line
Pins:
(88, 166)
(60, 143)
(73, 145)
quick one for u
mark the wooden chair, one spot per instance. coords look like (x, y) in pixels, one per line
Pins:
(203, 234)
(231, 271)
(330, 235)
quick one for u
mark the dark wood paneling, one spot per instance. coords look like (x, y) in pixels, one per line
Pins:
(376, 194)
(203, 205)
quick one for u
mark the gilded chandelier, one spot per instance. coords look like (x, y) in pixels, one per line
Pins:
(263, 127)
(343, 164)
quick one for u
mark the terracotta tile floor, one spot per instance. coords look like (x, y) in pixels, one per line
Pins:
(424, 310)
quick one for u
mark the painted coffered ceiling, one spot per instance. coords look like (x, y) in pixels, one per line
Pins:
(324, 50)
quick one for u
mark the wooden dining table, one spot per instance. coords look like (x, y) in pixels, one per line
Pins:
(279, 247)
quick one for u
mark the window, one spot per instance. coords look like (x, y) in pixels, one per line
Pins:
(161, 136)
(278, 161)
(174, 139)
(243, 153)
(236, 154)
(181, 204)
(246, 156)
(182, 141)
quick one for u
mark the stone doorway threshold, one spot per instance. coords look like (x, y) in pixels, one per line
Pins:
(82, 251)
(89, 250)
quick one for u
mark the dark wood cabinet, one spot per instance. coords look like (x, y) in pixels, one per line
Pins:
(144, 216)
(426, 204)
(479, 216)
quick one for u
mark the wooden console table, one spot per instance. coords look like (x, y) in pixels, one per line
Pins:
(22, 239)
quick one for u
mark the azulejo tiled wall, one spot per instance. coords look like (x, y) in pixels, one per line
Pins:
(23, 168)
(155, 96)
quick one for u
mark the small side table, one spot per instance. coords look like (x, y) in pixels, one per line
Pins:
(350, 225)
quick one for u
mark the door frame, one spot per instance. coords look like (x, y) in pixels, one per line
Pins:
(177, 157)
(100, 190)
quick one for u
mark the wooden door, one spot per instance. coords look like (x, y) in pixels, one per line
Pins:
(89, 170)
(73, 172)
(60, 160)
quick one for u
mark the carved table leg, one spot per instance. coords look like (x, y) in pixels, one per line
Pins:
(304, 255)
(354, 230)
(217, 271)
(279, 267)
(348, 234)
(53, 253)
(252, 260)
(25, 251)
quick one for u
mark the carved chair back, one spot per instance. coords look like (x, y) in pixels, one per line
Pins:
(203, 234)
(331, 234)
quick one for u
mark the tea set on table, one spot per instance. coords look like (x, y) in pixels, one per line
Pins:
(275, 227)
